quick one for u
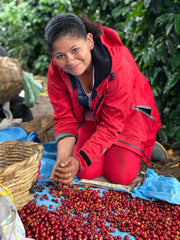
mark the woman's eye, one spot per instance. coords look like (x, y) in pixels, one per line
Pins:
(59, 56)
(75, 50)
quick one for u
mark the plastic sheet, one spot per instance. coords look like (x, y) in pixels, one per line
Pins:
(11, 226)
(47, 161)
(157, 187)
(16, 133)
(31, 88)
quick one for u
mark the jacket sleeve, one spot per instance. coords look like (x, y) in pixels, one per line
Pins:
(65, 123)
(114, 110)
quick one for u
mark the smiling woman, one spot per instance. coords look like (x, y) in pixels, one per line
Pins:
(93, 85)
(73, 55)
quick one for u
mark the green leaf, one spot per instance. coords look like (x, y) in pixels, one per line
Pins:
(147, 3)
(175, 61)
(161, 53)
(127, 1)
(162, 135)
(172, 81)
(162, 19)
(174, 132)
(120, 11)
(177, 23)
(158, 40)
(169, 28)
(149, 56)
(153, 75)
(155, 91)
(170, 46)
(138, 12)
(174, 116)
(176, 145)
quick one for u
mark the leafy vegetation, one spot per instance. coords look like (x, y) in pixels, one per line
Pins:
(149, 28)
(22, 33)
(152, 32)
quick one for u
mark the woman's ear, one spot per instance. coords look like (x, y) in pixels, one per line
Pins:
(90, 41)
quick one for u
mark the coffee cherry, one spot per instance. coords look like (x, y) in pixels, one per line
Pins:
(81, 213)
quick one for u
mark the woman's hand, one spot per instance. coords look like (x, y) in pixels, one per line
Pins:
(65, 171)
(66, 166)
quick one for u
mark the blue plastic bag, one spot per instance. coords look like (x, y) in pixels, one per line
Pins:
(158, 187)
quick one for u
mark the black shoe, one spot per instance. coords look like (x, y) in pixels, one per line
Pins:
(159, 153)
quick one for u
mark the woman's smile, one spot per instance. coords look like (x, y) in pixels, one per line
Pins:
(75, 66)
(72, 54)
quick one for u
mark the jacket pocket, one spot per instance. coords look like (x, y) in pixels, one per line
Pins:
(146, 110)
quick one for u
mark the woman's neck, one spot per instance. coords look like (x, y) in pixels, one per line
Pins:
(86, 79)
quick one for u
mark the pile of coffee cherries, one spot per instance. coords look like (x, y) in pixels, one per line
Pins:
(85, 213)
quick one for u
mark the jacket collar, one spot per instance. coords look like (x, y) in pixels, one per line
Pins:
(101, 61)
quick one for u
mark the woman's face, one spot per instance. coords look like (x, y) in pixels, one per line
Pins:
(72, 54)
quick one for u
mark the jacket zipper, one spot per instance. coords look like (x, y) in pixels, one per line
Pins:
(146, 110)
(98, 104)
(135, 148)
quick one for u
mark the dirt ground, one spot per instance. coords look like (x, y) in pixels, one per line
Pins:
(43, 108)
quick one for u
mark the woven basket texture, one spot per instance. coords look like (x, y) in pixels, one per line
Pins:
(19, 168)
(11, 81)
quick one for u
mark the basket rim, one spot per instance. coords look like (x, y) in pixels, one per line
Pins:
(33, 145)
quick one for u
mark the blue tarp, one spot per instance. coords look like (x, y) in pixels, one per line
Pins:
(155, 187)
(16, 133)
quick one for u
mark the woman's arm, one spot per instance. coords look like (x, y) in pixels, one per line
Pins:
(65, 148)
(66, 166)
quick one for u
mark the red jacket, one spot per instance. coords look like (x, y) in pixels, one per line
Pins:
(122, 100)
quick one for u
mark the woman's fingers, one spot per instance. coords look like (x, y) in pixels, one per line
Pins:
(52, 177)
(65, 172)
(63, 175)
(66, 181)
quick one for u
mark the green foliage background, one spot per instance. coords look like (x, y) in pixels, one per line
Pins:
(149, 28)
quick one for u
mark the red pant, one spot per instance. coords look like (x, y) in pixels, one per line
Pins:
(119, 165)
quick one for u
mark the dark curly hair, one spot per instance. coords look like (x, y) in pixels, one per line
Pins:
(91, 27)
(64, 24)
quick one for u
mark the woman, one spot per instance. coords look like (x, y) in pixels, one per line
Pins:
(104, 108)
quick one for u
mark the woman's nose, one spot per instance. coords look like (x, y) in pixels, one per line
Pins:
(69, 59)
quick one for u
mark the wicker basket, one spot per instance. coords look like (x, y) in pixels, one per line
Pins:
(11, 81)
(19, 168)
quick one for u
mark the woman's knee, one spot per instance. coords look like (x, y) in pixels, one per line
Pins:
(121, 165)
(123, 178)
(120, 175)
